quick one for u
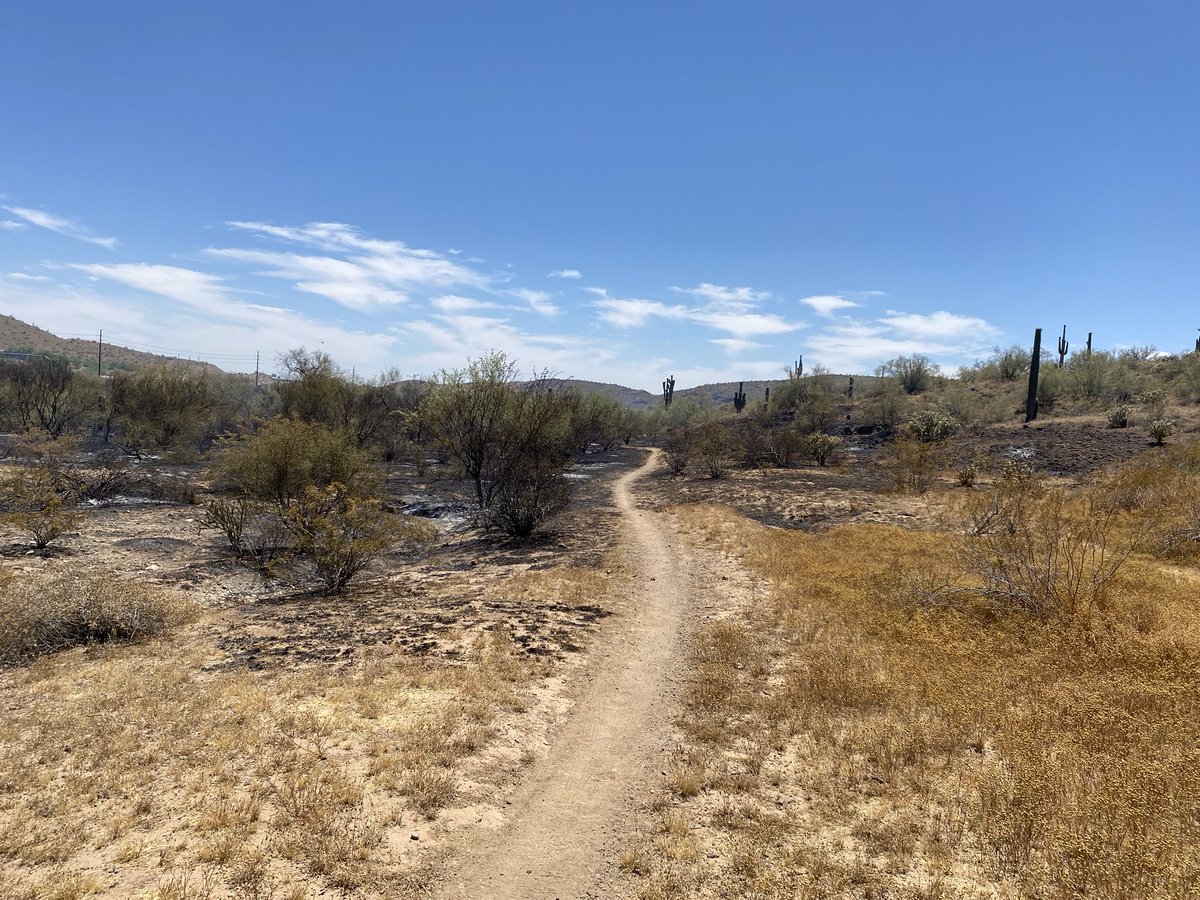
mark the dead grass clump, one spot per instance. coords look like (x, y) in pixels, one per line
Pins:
(1020, 722)
(45, 614)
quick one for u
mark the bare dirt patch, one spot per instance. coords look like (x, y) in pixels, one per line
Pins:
(292, 745)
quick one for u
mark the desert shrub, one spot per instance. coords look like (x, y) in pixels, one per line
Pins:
(252, 528)
(1005, 507)
(913, 373)
(912, 465)
(886, 405)
(1118, 416)
(822, 448)
(1049, 388)
(527, 499)
(1154, 402)
(1160, 430)
(45, 395)
(157, 408)
(334, 536)
(931, 425)
(286, 457)
(1063, 561)
(34, 501)
(968, 473)
(104, 483)
(712, 448)
(678, 450)
(810, 398)
(45, 614)
(502, 432)
(783, 445)
(1090, 375)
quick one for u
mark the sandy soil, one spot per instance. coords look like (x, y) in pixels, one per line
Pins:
(564, 826)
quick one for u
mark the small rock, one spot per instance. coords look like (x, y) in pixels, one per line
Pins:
(415, 836)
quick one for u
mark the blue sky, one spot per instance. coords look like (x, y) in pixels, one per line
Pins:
(611, 190)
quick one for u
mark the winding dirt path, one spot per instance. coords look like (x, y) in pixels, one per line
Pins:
(566, 821)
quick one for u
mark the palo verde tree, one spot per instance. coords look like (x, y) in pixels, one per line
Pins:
(511, 438)
(44, 394)
(161, 407)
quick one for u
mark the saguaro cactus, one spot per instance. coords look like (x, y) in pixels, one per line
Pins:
(1062, 347)
(796, 371)
(1031, 404)
(739, 398)
(1088, 352)
(767, 398)
(850, 389)
(1198, 342)
(668, 390)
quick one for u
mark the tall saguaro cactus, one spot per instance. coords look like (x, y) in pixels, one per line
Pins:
(1031, 404)
(739, 398)
(1088, 353)
(1062, 347)
(668, 390)
(796, 372)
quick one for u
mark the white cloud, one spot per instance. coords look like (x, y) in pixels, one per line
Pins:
(853, 345)
(732, 310)
(59, 225)
(10, 225)
(633, 313)
(183, 308)
(539, 301)
(356, 271)
(453, 303)
(745, 324)
(719, 297)
(21, 276)
(735, 345)
(940, 325)
(566, 273)
(827, 305)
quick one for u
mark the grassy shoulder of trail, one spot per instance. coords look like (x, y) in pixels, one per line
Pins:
(131, 766)
(888, 720)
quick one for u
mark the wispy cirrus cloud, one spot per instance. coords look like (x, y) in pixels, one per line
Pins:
(539, 301)
(354, 270)
(733, 346)
(733, 310)
(827, 305)
(58, 224)
(10, 225)
(940, 325)
(850, 345)
(566, 273)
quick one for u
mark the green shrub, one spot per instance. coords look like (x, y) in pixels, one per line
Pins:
(286, 457)
(1160, 430)
(913, 373)
(931, 425)
(822, 448)
(35, 502)
(335, 535)
(1118, 416)
(45, 614)
(913, 465)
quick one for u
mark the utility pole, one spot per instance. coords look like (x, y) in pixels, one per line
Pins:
(100, 354)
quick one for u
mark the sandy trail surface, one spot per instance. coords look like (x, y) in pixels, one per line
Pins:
(567, 822)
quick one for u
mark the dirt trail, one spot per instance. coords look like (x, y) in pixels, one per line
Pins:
(567, 821)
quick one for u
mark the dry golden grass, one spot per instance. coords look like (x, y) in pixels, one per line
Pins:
(859, 742)
(134, 771)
